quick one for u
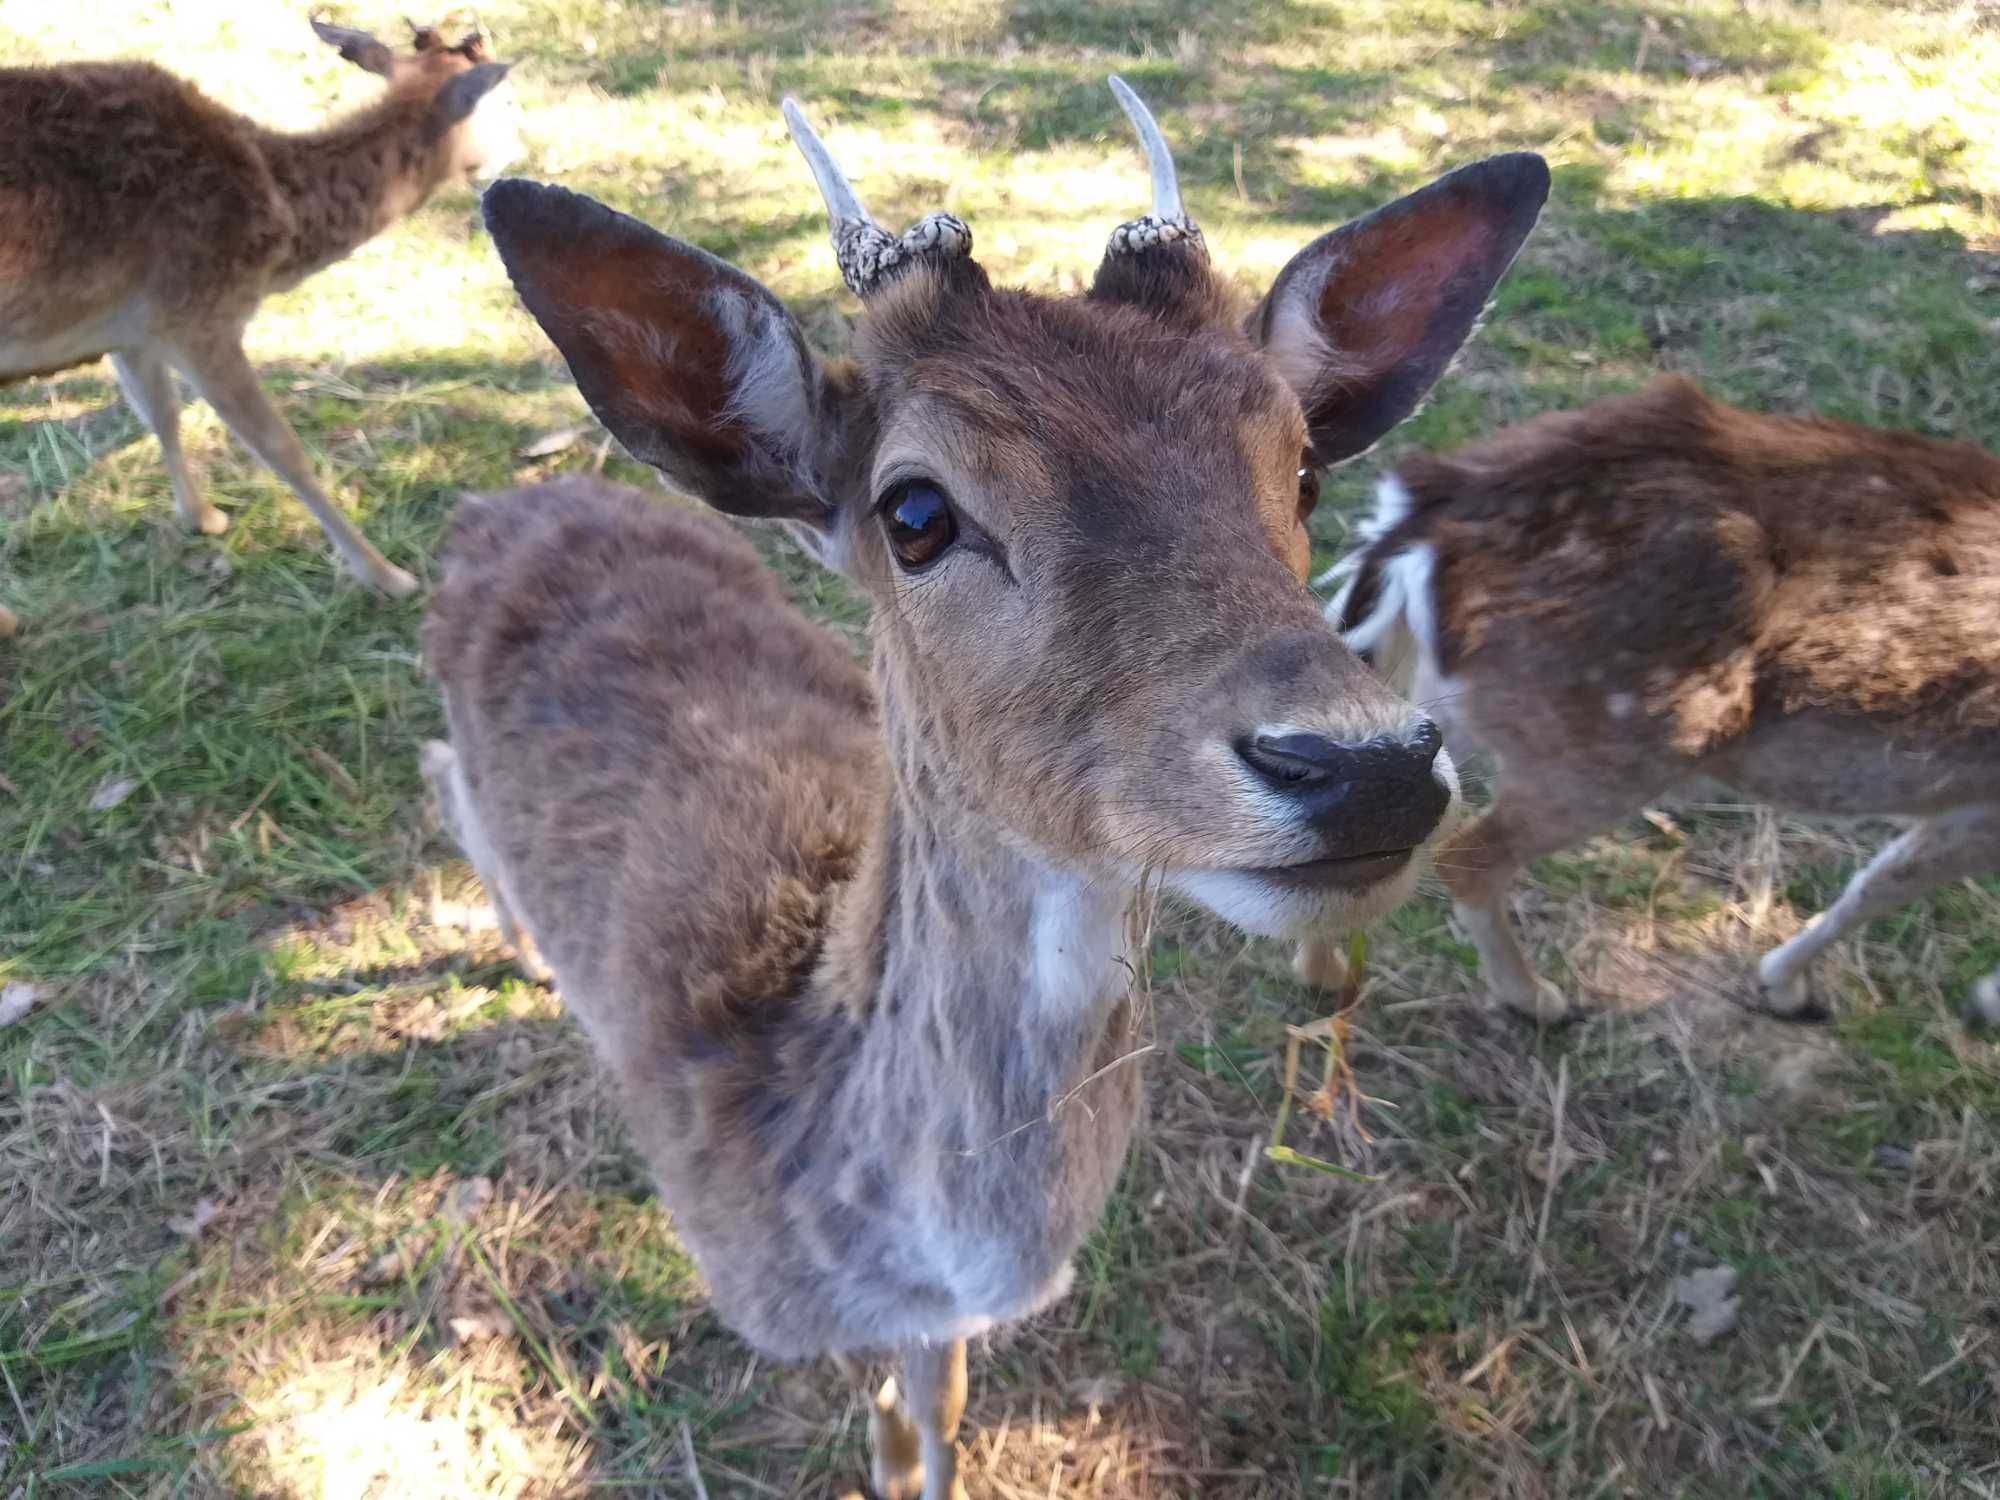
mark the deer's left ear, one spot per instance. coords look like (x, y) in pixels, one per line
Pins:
(358, 47)
(461, 96)
(1364, 319)
(692, 365)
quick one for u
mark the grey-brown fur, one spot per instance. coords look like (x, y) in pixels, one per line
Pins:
(140, 219)
(855, 946)
(1661, 588)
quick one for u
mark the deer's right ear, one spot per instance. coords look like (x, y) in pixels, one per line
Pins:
(1364, 320)
(358, 47)
(693, 366)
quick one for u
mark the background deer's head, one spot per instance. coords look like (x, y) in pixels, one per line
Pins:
(458, 83)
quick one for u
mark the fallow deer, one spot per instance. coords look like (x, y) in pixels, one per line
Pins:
(858, 950)
(140, 219)
(1660, 589)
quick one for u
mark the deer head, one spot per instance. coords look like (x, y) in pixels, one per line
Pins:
(1081, 521)
(468, 113)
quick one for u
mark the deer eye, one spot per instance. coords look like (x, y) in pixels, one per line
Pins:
(1308, 488)
(919, 522)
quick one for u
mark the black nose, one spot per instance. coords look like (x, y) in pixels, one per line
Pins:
(1365, 798)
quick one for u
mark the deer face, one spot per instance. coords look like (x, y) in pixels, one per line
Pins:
(1081, 521)
(469, 111)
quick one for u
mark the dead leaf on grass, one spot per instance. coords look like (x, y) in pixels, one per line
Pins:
(1097, 1390)
(16, 1000)
(191, 1225)
(475, 1315)
(391, 1265)
(472, 1330)
(336, 773)
(552, 442)
(467, 1199)
(1706, 1294)
(111, 791)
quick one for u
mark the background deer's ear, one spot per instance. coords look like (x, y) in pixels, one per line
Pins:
(461, 96)
(695, 368)
(1364, 319)
(358, 47)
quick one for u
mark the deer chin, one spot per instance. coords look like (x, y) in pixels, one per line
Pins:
(1288, 901)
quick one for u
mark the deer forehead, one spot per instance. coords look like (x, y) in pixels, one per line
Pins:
(1042, 398)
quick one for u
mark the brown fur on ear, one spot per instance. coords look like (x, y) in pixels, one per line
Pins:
(1366, 318)
(694, 367)
(357, 47)
(472, 47)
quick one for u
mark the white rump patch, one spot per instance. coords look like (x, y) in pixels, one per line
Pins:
(1400, 632)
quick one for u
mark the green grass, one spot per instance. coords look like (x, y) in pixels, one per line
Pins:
(303, 1188)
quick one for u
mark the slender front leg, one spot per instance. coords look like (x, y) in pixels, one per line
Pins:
(1321, 961)
(935, 1377)
(148, 382)
(895, 1450)
(441, 768)
(223, 375)
(1479, 862)
(895, 1454)
(1948, 847)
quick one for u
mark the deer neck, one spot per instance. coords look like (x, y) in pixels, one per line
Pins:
(347, 183)
(974, 966)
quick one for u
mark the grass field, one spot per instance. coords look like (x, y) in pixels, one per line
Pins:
(304, 1191)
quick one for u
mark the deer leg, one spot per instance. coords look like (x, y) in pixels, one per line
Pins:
(1965, 841)
(1479, 862)
(895, 1451)
(148, 383)
(441, 769)
(896, 1466)
(935, 1377)
(1321, 961)
(224, 377)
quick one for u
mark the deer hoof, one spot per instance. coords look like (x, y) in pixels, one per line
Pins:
(209, 521)
(897, 1472)
(393, 581)
(1320, 964)
(1543, 1003)
(902, 1484)
(1786, 995)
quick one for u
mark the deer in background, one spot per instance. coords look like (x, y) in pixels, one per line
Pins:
(1661, 588)
(858, 950)
(140, 219)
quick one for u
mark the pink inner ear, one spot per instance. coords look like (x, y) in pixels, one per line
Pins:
(652, 334)
(1376, 307)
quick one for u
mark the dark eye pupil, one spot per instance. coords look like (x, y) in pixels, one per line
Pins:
(920, 524)
(1308, 488)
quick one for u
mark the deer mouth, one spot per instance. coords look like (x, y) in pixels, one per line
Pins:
(1353, 873)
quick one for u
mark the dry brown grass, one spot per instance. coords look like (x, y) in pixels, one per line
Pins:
(1492, 1315)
